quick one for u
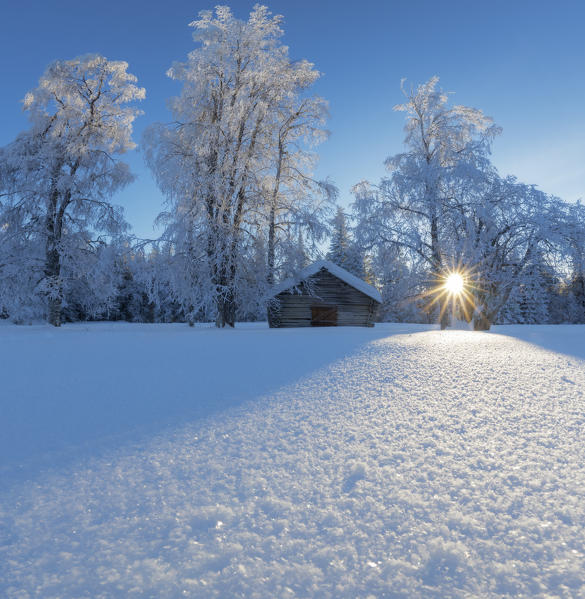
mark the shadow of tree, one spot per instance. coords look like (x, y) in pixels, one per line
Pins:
(568, 339)
(91, 387)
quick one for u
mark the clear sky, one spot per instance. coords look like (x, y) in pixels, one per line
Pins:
(521, 62)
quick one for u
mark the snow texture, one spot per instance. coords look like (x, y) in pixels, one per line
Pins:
(395, 462)
(336, 271)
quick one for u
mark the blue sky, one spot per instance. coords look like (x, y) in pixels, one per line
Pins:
(521, 62)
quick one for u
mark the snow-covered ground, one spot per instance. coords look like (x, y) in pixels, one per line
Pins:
(161, 461)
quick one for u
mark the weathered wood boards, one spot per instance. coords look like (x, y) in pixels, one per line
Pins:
(322, 299)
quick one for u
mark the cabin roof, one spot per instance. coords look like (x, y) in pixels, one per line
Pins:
(336, 271)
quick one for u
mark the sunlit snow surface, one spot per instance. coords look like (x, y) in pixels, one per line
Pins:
(389, 462)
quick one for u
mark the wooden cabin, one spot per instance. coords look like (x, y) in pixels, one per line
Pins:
(323, 294)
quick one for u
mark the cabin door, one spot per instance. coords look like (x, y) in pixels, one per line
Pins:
(323, 316)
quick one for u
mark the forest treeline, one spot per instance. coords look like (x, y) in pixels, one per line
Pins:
(242, 208)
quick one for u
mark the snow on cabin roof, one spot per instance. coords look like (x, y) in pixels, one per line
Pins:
(336, 271)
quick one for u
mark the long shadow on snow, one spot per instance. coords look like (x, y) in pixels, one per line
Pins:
(568, 339)
(86, 388)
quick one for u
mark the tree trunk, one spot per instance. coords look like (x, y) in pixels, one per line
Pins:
(272, 220)
(481, 321)
(225, 292)
(226, 310)
(54, 312)
(271, 245)
(220, 318)
(225, 300)
(52, 272)
(444, 319)
(54, 288)
(438, 265)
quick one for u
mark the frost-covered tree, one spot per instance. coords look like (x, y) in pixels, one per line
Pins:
(133, 268)
(501, 228)
(295, 255)
(294, 200)
(412, 208)
(227, 161)
(343, 250)
(575, 299)
(56, 180)
(400, 285)
(533, 294)
(574, 236)
(340, 241)
(445, 207)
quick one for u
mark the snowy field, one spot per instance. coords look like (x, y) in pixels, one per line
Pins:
(158, 461)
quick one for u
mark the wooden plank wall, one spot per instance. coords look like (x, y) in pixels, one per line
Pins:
(354, 308)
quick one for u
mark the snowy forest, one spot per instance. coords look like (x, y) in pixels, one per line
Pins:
(241, 208)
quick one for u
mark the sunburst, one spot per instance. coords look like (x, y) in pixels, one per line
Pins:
(453, 289)
(455, 283)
